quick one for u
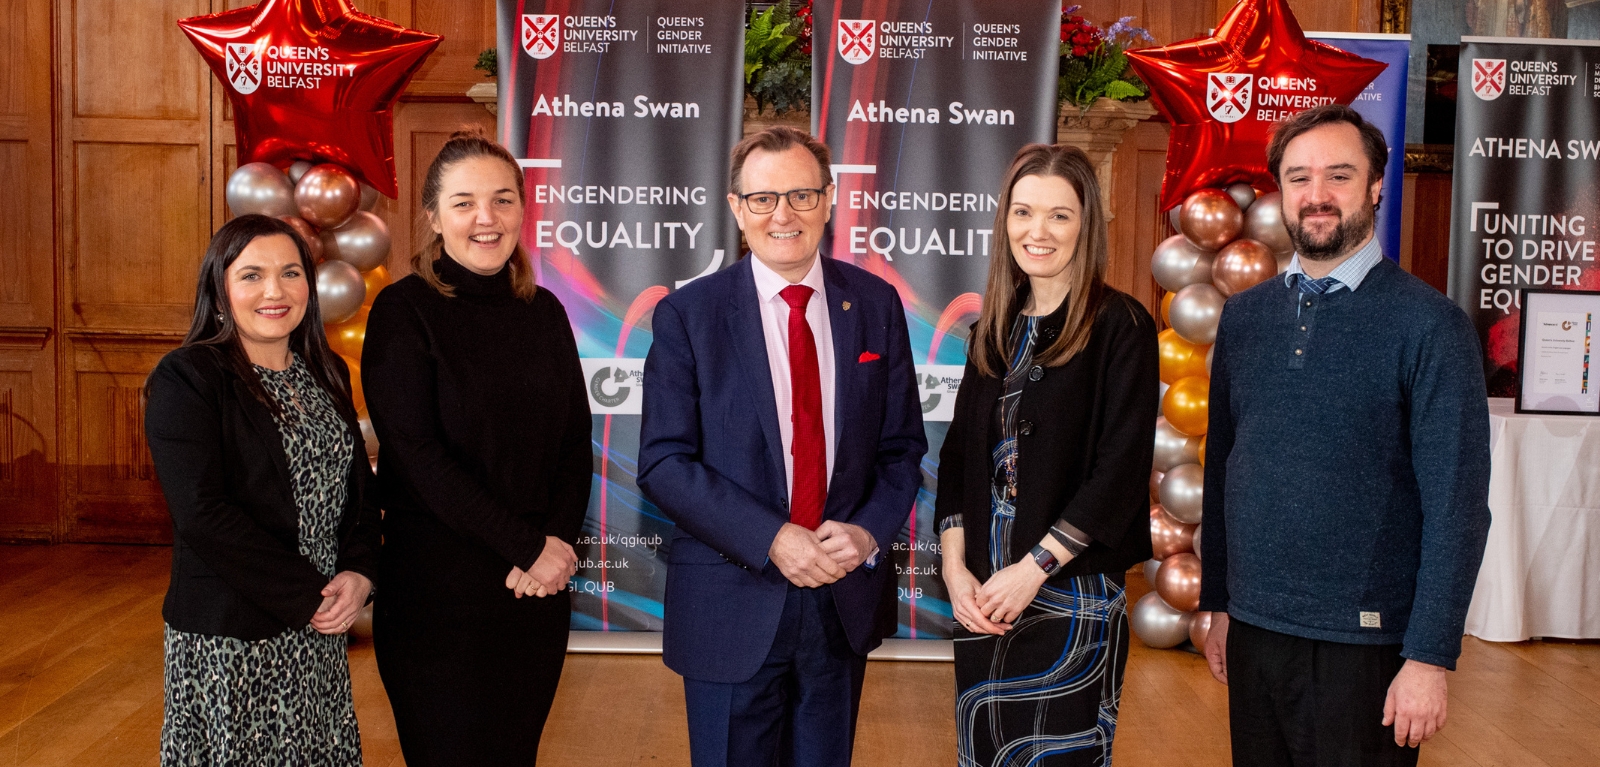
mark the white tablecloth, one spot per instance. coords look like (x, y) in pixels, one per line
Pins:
(1541, 568)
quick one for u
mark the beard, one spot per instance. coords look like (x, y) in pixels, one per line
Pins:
(1346, 235)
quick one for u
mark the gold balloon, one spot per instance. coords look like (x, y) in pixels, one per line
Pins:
(358, 396)
(1168, 536)
(1178, 581)
(1242, 265)
(1179, 358)
(1185, 405)
(1198, 629)
(346, 338)
(327, 196)
(376, 279)
(308, 235)
(1211, 219)
(1166, 307)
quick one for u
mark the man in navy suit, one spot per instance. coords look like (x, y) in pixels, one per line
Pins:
(782, 432)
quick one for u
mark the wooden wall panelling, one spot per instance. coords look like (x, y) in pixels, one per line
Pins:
(1430, 228)
(28, 444)
(134, 194)
(468, 27)
(1138, 166)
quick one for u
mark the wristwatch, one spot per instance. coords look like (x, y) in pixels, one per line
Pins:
(1045, 560)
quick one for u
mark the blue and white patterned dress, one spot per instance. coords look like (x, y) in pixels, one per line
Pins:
(1046, 692)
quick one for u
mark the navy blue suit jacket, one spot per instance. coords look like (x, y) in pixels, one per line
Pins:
(711, 457)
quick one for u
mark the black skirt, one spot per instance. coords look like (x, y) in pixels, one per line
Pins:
(472, 685)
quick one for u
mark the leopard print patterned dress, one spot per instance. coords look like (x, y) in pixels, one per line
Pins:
(285, 700)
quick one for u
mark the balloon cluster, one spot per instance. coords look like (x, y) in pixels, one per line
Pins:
(1229, 240)
(332, 213)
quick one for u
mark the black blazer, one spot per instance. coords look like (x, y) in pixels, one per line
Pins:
(1085, 446)
(237, 570)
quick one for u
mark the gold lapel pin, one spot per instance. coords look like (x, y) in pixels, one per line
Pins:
(847, 306)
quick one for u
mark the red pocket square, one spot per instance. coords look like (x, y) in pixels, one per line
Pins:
(868, 357)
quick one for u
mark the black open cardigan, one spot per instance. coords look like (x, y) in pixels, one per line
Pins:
(1085, 446)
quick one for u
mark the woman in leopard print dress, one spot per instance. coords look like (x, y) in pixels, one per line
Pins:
(254, 437)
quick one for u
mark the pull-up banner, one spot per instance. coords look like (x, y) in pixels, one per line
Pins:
(622, 116)
(1527, 167)
(1383, 104)
(924, 103)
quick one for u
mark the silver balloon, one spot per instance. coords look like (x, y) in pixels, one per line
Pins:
(1209, 351)
(1263, 222)
(1173, 217)
(1195, 311)
(1197, 527)
(1181, 491)
(362, 242)
(1243, 194)
(1173, 448)
(258, 187)
(1177, 263)
(369, 436)
(369, 197)
(1150, 568)
(298, 168)
(340, 291)
(1158, 625)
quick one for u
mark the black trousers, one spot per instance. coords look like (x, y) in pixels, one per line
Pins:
(1309, 703)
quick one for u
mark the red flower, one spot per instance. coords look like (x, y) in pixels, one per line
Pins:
(1079, 51)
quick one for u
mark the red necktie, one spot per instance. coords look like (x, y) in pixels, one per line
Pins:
(805, 384)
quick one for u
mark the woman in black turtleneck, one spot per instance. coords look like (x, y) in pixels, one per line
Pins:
(473, 384)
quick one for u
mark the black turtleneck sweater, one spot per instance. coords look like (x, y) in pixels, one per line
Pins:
(484, 427)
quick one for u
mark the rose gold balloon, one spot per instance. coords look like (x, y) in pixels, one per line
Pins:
(1178, 581)
(1155, 485)
(1211, 219)
(1242, 265)
(327, 196)
(307, 233)
(1198, 628)
(1168, 536)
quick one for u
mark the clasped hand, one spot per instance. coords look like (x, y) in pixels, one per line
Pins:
(549, 572)
(811, 559)
(991, 607)
(342, 598)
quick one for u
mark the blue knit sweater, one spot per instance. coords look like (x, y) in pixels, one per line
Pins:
(1347, 465)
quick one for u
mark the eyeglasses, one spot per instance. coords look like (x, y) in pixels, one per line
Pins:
(799, 200)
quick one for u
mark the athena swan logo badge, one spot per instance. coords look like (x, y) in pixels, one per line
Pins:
(244, 67)
(1488, 78)
(541, 34)
(858, 40)
(1228, 95)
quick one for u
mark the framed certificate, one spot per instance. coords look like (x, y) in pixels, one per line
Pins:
(1553, 350)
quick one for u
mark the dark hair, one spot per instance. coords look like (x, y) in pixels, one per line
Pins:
(776, 139)
(1088, 267)
(1376, 149)
(213, 323)
(465, 145)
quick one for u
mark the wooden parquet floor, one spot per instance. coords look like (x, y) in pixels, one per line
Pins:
(80, 684)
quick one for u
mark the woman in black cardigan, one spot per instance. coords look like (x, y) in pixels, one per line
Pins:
(275, 540)
(472, 379)
(1043, 478)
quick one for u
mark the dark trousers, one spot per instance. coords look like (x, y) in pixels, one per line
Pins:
(799, 710)
(1310, 703)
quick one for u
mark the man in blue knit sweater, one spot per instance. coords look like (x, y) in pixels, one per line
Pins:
(1347, 472)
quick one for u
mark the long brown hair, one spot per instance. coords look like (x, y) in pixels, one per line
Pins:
(465, 145)
(1087, 289)
(213, 323)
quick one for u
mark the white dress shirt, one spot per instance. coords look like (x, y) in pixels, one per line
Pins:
(775, 328)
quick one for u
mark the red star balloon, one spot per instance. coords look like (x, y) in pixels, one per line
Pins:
(1223, 93)
(312, 80)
